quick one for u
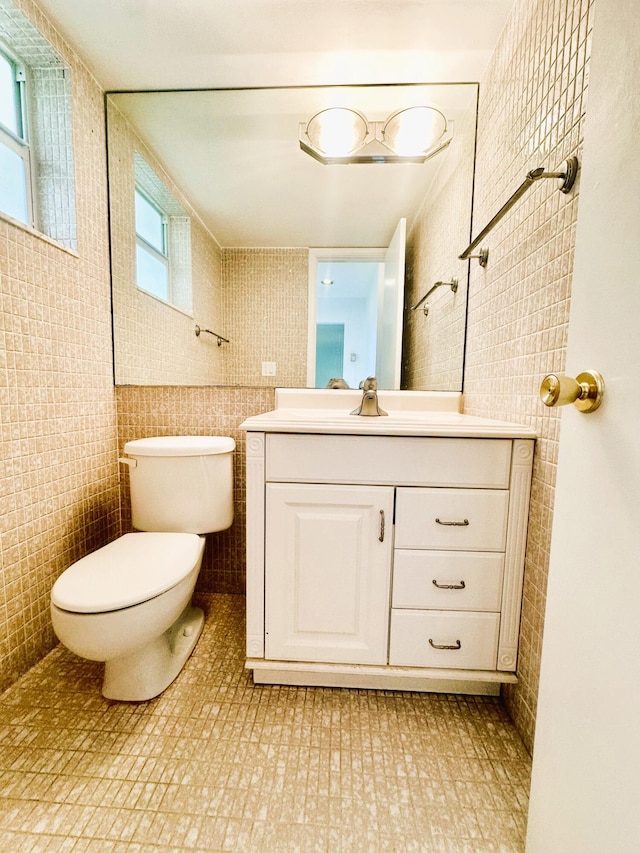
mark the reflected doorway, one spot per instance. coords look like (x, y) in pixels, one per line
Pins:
(329, 352)
(346, 320)
(362, 291)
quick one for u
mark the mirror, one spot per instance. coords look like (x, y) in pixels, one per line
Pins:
(243, 205)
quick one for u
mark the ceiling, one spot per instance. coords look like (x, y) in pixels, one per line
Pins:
(147, 45)
(177, 44)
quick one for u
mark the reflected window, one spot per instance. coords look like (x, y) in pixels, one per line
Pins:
(163, 240)
(152, 261)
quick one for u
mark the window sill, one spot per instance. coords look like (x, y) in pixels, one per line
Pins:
(38, 234)
(182, 311)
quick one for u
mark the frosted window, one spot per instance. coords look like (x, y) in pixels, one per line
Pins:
(163, 240)
(8, 95)
(13, 185)
(150, 223)
(152, 273)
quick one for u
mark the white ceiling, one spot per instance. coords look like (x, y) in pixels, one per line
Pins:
(150, 44)
(179, 44)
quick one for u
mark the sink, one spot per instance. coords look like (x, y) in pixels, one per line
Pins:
(346, 400)
(419, 413)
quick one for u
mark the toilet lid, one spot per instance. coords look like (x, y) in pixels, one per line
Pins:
(127, 571)
(180, 445)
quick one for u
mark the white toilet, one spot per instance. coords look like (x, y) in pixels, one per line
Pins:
(129, 603)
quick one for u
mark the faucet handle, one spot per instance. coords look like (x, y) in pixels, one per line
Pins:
(370, 384)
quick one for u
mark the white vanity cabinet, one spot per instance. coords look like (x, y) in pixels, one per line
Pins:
(386, 561)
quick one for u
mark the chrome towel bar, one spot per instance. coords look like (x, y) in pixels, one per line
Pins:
(453, 284)
(215, 335)
(566, 174)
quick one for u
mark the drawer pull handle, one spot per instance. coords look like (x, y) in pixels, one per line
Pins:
(464, 523)
(460, 585)
(458, 645)
(381, 537)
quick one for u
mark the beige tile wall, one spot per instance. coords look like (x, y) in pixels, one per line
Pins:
(58, 482)
(532, 103)
(433, 345)
(265, 307)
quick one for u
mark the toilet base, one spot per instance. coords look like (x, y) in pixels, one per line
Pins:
(149, 670)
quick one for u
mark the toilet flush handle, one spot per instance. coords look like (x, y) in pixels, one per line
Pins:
(132, 463)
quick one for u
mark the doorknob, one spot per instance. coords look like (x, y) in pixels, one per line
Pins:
(585, 391)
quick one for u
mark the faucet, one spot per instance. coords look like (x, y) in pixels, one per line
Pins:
(369, 404)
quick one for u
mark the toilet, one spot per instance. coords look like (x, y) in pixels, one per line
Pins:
(129, 602)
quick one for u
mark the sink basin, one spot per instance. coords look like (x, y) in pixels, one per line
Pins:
(418, 413)
(346, 400)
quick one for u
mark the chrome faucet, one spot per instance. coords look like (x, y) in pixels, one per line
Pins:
(369, 404)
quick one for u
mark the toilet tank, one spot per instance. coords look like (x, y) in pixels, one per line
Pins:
(181, 483)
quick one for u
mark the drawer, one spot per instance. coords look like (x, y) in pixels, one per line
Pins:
(421, 578)
(457, 519)
(416, 634)
(388, 460)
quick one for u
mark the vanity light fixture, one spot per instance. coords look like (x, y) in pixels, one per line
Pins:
(341, 135)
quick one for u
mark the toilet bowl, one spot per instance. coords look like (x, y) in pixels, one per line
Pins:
(129, 603)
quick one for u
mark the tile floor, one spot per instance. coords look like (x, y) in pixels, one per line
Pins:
(218, 764)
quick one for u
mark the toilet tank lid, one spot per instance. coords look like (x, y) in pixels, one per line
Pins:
(180, 445)
(127, 571)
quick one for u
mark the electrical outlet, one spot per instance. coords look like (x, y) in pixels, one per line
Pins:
(268, 368)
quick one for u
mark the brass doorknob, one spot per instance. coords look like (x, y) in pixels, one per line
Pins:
(585, 391)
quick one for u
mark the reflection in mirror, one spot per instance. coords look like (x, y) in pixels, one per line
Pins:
(254, 205)
(344, 287)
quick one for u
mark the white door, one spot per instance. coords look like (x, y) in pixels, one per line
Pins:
(390, 311)
(327, 572)
(586, 763)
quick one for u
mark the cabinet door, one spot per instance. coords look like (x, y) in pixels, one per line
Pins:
(327, 572)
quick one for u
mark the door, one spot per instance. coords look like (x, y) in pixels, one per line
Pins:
(327, 572)
(329, 352)
(390, 311)
(584, 795)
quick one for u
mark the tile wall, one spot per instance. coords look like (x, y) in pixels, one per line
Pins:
(433, 345)
(265, 308)
(532, 106)
(58, 482)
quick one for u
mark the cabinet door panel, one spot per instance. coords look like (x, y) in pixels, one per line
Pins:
(328, 573)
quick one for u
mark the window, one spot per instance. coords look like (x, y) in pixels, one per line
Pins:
(152, 261)
(15, 182)
(162, 238)
(37, 174)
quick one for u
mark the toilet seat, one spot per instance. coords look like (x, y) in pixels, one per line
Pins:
(132, 569)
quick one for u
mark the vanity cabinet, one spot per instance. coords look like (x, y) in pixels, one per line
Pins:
(393, 562)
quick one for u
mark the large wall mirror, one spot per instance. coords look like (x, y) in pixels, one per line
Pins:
(224, 231)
